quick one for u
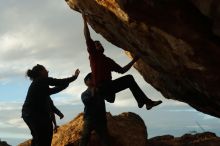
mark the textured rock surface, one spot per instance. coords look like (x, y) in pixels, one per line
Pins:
(211, 9)
(126, 129)
(178, 43)
(203, 139)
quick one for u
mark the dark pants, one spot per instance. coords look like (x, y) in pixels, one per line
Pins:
(41, 130)
(99, 127)
(110, 88)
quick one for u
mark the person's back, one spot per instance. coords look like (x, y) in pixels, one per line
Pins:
(101, 65)
(94, 109)
(37, 101)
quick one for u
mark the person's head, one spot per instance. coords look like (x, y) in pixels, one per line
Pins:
(36, 72)
(88, 80)
(99, 46)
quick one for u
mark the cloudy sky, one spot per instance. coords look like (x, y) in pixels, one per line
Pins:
(47, 32)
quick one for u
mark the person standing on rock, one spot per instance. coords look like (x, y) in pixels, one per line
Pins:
(102, 66)
(36, 110)
(94, 115)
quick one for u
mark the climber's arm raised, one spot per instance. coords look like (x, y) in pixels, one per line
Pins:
(90, 43)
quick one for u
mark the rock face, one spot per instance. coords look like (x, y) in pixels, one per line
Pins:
(126, 129)
(178, 42)
(211, 9)
(203, 139)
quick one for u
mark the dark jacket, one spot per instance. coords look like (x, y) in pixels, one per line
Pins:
(94, 107)
(101, 65)
(37, 102)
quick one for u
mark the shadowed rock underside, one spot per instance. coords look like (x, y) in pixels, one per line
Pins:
(178, 42)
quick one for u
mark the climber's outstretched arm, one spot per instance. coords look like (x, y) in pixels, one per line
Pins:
(90, 43)
(117, 68)
(86, 29)
(129, 65)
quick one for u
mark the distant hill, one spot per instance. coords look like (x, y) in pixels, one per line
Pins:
(3, 143)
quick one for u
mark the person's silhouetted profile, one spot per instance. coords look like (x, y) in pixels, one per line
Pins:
(36, 110)
(94, 115)
(102, 67)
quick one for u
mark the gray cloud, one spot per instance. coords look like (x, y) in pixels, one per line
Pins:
(49, 33)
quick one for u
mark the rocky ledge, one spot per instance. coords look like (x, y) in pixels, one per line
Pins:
(127, 129)
(201, 139)
(3, 143)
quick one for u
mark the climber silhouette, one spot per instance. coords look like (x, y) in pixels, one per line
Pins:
(94, 115)
(102, 67)
(36, 110)
(55, 110)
